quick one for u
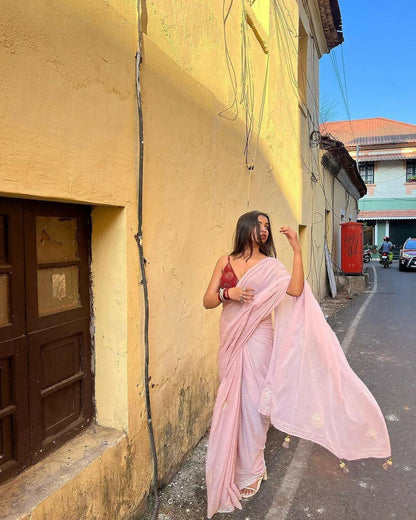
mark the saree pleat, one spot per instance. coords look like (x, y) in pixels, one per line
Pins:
(238, 324)
(307, 388)
(253, 425)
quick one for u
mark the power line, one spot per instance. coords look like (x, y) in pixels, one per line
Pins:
(230, 66)
(343, 87)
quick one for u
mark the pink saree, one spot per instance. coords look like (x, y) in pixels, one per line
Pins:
(301, 380)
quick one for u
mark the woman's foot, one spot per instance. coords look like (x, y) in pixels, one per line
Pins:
(250, 490)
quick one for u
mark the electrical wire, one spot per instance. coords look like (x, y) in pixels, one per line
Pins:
(342, 86)
(247, 84)
(230, 67)
(286, 35)
(139, 240)
(261, 113)
(279, 22)
(282, 27)
(290, 42)
(248, 97)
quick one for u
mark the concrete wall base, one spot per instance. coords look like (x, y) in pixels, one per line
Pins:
(349, 284)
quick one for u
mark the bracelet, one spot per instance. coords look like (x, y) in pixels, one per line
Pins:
(223, 294)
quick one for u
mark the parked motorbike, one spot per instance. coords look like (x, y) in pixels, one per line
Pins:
(366, 255)
(385, 261)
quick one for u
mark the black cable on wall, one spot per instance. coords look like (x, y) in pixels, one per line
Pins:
(139, 240)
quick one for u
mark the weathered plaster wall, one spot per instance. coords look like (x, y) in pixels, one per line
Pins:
(106, 489)
(320, 230)
(68, 132)
(342, 208)
(312, 199)
(197, 185)
(110, 323)
(331, 205)
(67, 104)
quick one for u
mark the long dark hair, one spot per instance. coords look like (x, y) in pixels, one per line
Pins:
(247, 230)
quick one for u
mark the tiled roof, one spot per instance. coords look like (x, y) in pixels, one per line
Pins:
(331, 22)
(377, 130)
(389, 214)
(364, 157)
(344, 160)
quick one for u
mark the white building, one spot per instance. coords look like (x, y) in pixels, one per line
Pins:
(385, 152)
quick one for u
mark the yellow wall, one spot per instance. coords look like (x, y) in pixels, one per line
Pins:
(68, 118)
(195, 189)
(69, 133)
(197, 185)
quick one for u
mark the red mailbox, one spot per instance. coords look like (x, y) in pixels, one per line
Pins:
(352, 248)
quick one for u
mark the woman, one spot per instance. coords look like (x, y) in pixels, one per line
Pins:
(297, 376)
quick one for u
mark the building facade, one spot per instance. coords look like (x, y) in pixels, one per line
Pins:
(343, 189)
(125, 130)
(385, 152)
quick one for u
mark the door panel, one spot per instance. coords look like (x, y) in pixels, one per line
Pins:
(58, 289)
(56, 264)
(56, 238)
(60, 388)
(12, 293)
(45, 350)
(14, 418)
(5, 313)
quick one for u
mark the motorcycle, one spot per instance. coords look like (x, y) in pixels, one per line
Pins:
(385, 261)
(366, 255)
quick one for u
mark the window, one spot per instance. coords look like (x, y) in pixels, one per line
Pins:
(411, 170)
(367, 172)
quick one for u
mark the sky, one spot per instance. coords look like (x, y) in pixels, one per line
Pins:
(376, 64)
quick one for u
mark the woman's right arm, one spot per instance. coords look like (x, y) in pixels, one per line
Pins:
(211, 299)
(297, 280)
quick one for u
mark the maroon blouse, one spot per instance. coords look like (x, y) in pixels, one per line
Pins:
(229, 278)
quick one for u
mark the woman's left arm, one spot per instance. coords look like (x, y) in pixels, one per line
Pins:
(297, 281)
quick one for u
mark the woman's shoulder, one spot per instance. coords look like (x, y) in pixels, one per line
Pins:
(272, 259)
(222, 261)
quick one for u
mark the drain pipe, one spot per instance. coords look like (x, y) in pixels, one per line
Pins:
(139, 240)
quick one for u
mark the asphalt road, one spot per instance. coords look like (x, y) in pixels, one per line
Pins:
(383, 353)
(305, 481)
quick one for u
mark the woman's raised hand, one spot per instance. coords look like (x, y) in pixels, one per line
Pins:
(292, 237)
(242, 294)
(297, 279)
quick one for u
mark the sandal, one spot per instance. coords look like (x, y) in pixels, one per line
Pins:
(250, 490)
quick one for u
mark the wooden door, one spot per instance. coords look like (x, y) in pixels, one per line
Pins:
(14, 411)
(45, 353)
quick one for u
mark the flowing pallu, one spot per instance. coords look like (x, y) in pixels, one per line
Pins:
(310, 390)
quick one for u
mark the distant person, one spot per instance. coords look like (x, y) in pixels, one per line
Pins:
(296, 376)
(387, 247)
